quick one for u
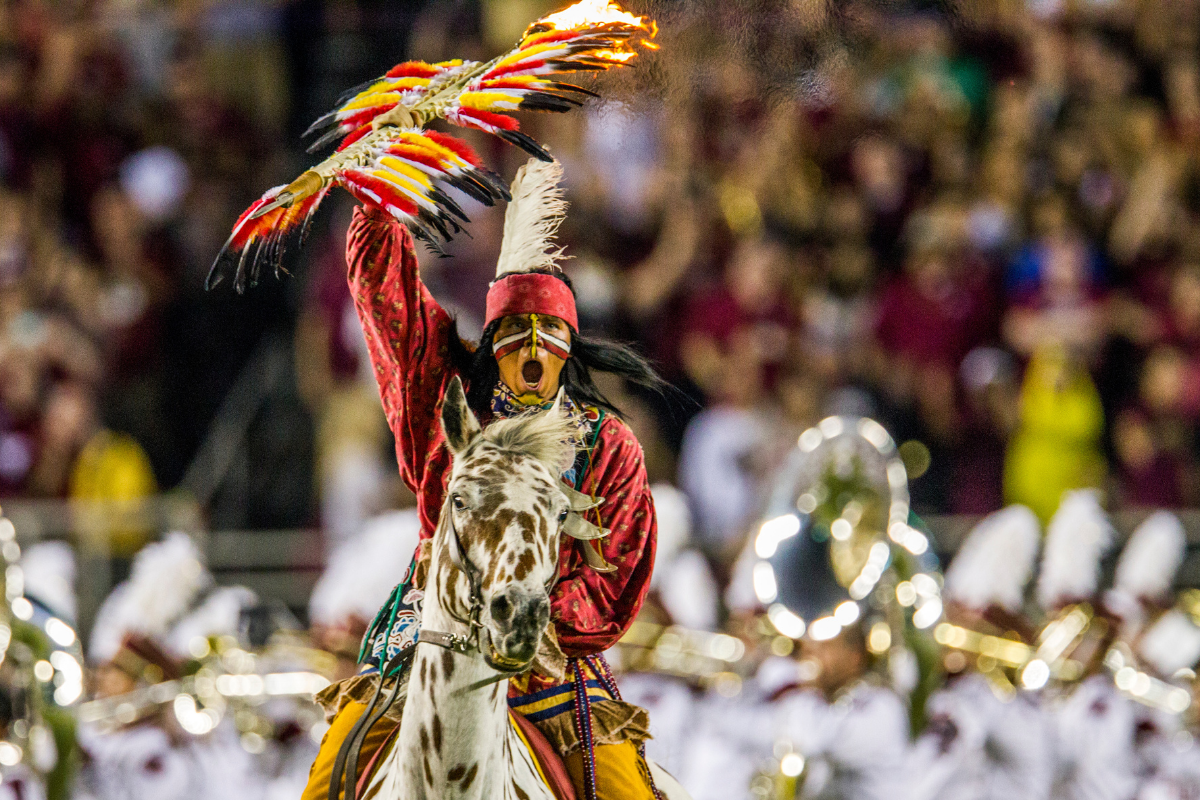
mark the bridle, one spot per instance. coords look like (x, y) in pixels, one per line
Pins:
(345, 766)
(471, 644)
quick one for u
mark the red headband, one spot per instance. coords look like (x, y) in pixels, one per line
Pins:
(531, 293)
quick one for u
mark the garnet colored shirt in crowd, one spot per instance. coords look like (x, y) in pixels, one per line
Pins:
(934, 328)
(408, 337)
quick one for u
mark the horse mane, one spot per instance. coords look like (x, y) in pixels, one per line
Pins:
(549, 437)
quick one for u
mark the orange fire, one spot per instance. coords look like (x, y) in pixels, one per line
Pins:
(589, 14)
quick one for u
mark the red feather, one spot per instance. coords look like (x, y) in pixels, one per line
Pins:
(351, 138)
(387, 193)
(548, 36)
(366, 115)
(511, 83)
(489, 118)
(417, 155)
(517, 67)
(460, 148)
(413, 69)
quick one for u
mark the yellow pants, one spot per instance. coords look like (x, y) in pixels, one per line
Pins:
(321, 773)
(621, 773)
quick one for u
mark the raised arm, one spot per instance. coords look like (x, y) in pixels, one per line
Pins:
(408, 337)
(590, 609)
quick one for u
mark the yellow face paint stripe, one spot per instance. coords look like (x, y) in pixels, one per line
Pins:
(533, 322)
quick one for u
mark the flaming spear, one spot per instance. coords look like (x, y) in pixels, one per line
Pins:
(386, 157)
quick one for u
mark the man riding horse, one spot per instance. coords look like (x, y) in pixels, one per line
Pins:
(530, 348)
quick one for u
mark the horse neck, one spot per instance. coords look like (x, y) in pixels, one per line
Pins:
(453, 729)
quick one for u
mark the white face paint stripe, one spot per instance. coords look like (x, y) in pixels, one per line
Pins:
(554, 340)
(510, 339)
(524, 335)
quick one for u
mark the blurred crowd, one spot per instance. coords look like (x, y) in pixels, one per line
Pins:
(973, 222)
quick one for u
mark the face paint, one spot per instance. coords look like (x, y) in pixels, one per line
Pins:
(530, 357)
(535, 337)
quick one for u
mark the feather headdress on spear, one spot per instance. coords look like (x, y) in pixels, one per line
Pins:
(386, 158)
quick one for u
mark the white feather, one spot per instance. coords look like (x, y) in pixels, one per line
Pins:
(219, 615)
(689, 591)
(166, 577)
(1152, 556)
(364, 570)
(49, 569)
(1172, 643)
(995, 561)
(533, 216)
(1076, 540)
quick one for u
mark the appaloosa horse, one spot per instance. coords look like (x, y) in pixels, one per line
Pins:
(487, 606)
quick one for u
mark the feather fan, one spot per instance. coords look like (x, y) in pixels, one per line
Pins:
(1151, 557)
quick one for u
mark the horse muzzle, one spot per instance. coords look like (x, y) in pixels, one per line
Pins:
(518, 621)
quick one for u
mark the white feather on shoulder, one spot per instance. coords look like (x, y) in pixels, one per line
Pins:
(533, 216)
(995, 561)
(1152, 556)
(166, 577)
(1076, 540)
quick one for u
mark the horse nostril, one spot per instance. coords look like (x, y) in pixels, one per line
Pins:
(501, 609)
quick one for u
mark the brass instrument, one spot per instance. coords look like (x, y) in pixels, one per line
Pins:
(41, 676)
(838, 549)
(230, 681)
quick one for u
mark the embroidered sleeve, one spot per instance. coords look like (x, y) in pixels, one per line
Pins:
(408, 336)
(591, 610)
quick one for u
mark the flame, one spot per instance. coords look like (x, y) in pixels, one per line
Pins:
(590, 13)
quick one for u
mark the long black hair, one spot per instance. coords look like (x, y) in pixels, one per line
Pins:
(478, 365)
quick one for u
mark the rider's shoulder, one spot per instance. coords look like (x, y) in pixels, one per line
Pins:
(614, 432)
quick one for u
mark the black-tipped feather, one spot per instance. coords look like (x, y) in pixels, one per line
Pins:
(548, 102)
(445, 201)
(328, 137)
(518, 139)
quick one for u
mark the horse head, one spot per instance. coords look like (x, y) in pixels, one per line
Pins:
(505, 507)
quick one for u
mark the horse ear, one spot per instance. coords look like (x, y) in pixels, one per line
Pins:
(458, 423)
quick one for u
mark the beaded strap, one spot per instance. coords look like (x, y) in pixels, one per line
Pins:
(583, 722)
(583, 727)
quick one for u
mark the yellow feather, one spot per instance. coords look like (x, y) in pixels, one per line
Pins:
(407, 170)
(490, 100)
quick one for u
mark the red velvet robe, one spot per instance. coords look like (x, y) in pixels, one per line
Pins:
(408, 336)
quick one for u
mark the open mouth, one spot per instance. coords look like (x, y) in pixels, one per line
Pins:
(532, 373)
(505, 664)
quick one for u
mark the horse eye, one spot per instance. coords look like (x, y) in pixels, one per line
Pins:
(459, 505)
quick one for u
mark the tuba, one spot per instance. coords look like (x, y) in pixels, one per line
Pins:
(840, 552)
